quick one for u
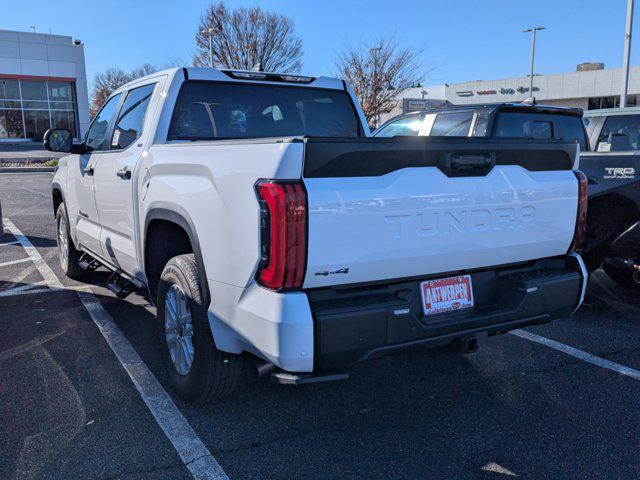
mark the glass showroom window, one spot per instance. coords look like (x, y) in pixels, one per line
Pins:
(11, 125)
(28, 108)
(62, 107)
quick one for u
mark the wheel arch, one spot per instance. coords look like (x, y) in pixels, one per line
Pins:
(171, 214)
(57, 197)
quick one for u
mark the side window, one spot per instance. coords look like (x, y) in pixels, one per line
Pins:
(452, 124)
(408, 126)
(131, 119)
(97, 134)
(619, 133)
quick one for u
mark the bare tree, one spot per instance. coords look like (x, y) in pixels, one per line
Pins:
(142, 71)
(106, 82)
(378, 71)
(246, 39)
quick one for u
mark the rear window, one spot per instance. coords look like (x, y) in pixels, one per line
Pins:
(541, 126)
(208, 111)
(620, 133)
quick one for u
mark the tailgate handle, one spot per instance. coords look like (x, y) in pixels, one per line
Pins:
(470, 164)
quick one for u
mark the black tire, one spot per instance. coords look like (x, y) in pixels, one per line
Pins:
(213, 374)
(70, 267)
(621, 277)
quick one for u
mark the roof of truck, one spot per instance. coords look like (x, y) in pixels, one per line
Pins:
(225, 74)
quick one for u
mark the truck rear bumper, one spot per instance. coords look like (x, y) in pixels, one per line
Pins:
(360, 323)
(331, 328)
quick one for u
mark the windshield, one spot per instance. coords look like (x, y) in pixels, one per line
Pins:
(542, 126)
(208, 111)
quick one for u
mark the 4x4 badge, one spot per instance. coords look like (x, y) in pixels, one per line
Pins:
(324, 273)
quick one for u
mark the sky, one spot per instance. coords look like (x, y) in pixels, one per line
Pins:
(461, 40)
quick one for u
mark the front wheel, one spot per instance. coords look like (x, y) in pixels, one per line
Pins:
(67, 253)
(197, 370)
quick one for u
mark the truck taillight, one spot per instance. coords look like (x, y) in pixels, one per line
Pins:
(581, 219)
(283, 233)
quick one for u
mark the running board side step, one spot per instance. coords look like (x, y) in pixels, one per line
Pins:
(88, 263)
(120, 285)
(286, 378)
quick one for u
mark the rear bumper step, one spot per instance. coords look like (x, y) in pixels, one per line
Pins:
(361, 323)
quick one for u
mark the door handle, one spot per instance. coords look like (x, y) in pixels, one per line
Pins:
(124, 173)
(88, 170)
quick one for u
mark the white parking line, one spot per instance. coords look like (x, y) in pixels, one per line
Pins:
(580, 354)
(14, 293)
(21, 290)
(192, 451)
(44, 269)
(14, 262)
(25, 347)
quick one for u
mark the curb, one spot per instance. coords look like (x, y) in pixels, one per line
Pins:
(26, 169)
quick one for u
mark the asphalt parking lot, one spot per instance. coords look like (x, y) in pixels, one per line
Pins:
(80, 398)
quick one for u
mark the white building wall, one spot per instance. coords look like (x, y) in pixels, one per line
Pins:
(30, 54)
(573, 85)
(571, 89)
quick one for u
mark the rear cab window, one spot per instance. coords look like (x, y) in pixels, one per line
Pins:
(219, 110)
(619, 133)
(541, 126)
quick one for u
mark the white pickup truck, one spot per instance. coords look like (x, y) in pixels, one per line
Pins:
(266, 224)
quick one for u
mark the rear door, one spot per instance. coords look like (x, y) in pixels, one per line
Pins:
(388, 209)
(614, 165)
(114, 179)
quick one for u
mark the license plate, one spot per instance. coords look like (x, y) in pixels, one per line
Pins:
(446, 294)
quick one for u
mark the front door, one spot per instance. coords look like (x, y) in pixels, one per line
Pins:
(114, 177)
(84, 211)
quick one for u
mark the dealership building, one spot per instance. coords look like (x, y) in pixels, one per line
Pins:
(43, 84)
(590, 87)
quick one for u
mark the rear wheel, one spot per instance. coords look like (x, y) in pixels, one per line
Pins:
(620, 276)
(197, 370)
(67, 253)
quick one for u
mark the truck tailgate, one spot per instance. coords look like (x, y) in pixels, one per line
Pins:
(398, 208)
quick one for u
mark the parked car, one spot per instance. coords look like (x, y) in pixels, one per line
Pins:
(265, 223)
(608, 158)
(504, 120)
(613, 166)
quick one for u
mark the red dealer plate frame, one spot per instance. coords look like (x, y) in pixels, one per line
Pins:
(449, 294)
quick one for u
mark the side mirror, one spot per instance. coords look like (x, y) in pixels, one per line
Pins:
(58, 140)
